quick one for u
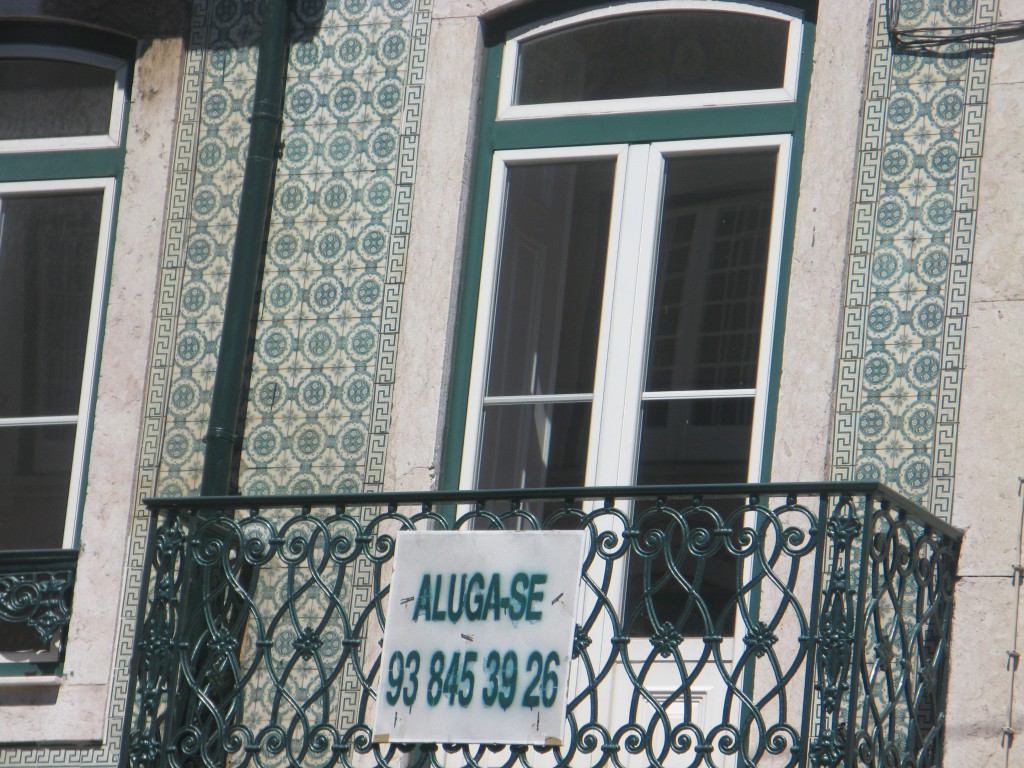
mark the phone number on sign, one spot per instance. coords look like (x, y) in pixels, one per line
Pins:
(451, 679)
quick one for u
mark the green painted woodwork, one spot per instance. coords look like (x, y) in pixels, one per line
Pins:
(640, 127)
(71, 164)
(494, 135)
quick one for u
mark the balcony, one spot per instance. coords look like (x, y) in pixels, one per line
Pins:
(748, 625)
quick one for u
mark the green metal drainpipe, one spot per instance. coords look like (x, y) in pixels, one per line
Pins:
(247, 259)
(229, 382)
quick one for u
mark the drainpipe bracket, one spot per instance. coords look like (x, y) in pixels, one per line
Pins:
(226, 435)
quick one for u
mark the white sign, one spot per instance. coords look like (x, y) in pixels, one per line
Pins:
(479, 637)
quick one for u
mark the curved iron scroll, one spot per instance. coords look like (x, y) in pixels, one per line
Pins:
(36, 590)
(830, 643)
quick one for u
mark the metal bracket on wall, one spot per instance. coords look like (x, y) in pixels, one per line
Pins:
(1013, 655)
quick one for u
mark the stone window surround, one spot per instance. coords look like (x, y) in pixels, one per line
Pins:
(72, 707)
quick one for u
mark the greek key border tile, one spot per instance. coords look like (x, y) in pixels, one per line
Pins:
(400, 223)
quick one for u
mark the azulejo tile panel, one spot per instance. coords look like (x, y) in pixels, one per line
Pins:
(332, 289)
(910, 250)
(331, 260)
(318, 410)
(334, 273)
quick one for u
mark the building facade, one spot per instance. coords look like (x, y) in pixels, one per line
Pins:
(865, 155)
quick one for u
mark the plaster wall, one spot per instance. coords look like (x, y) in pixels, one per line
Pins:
(990, 450)
(817, 282)
(74, 710)
(435, 252)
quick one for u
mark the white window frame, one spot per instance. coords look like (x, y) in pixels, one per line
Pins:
(630, 274)
(110, 139)
(83, 417)
(508, 110)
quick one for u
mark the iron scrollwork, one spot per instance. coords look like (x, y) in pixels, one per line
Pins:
(818, 615)
(36, 590)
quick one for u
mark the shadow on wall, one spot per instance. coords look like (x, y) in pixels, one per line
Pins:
(149, 20)
(41, 696)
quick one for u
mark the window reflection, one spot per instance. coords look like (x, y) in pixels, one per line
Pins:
(653, 54)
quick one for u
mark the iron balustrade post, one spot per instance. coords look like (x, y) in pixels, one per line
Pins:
(942, 690)
(859, 630)
(807, 715)
(155, 660)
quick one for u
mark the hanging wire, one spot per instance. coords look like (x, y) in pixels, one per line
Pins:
(932, 37)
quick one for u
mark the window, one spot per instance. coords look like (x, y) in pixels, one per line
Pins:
(626, 258)
(626, 291)
(625, 262)
(62, 111)
(54, 237)
(59, 98)
(625, 267)
(650, 56)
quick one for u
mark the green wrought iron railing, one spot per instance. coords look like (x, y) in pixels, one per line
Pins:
(35, 607)
(747, 625)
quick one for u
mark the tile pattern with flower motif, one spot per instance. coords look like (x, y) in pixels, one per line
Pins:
(902, 338)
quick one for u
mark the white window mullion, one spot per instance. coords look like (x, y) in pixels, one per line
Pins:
(617, 414)
(697, 394)
(38, 421)
(91, 363)
(771, 298)
(484, 316)
(530, 399)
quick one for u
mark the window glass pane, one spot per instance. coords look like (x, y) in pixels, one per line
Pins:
(695, 441)
(48, 245)
(689, 441)
(534, 446)
(712, 259)
(40, 99)
(653, 54)
(35, 464)
(551, 278)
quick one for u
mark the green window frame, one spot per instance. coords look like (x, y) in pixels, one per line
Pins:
(503, 134)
